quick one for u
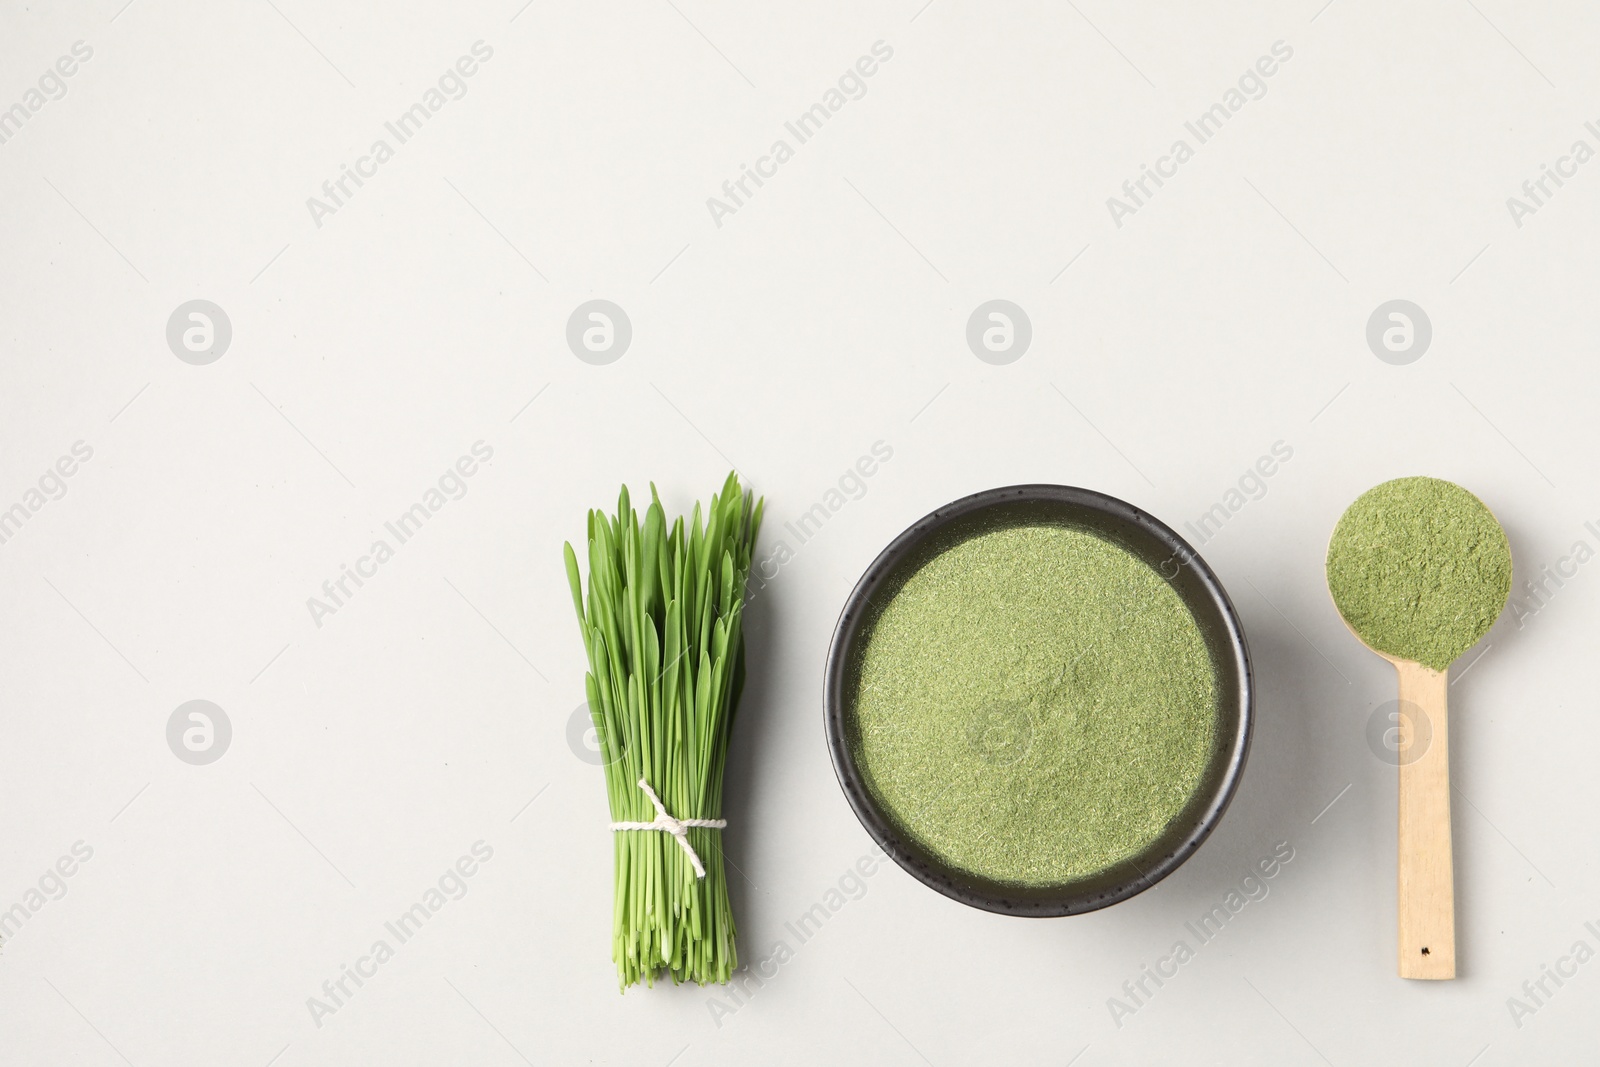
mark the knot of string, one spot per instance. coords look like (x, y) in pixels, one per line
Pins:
(678, 828)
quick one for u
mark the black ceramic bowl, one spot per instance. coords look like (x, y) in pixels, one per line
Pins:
(1145, 537)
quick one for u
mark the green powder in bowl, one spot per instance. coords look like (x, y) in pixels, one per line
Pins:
(1035, 704)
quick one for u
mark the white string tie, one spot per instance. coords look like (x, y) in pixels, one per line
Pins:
(678, 828)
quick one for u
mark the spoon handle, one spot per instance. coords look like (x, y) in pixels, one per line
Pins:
(1427, 886)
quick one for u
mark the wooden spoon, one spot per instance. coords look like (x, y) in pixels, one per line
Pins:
(1448, 546)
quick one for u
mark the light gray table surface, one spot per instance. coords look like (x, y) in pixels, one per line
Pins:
(181, 496)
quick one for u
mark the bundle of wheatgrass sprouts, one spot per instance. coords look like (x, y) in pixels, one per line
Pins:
(662, 626)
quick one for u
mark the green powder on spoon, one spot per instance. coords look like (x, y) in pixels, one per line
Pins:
(1034, 705)
(1420, 569)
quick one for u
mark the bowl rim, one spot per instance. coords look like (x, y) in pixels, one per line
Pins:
(1031, 901)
